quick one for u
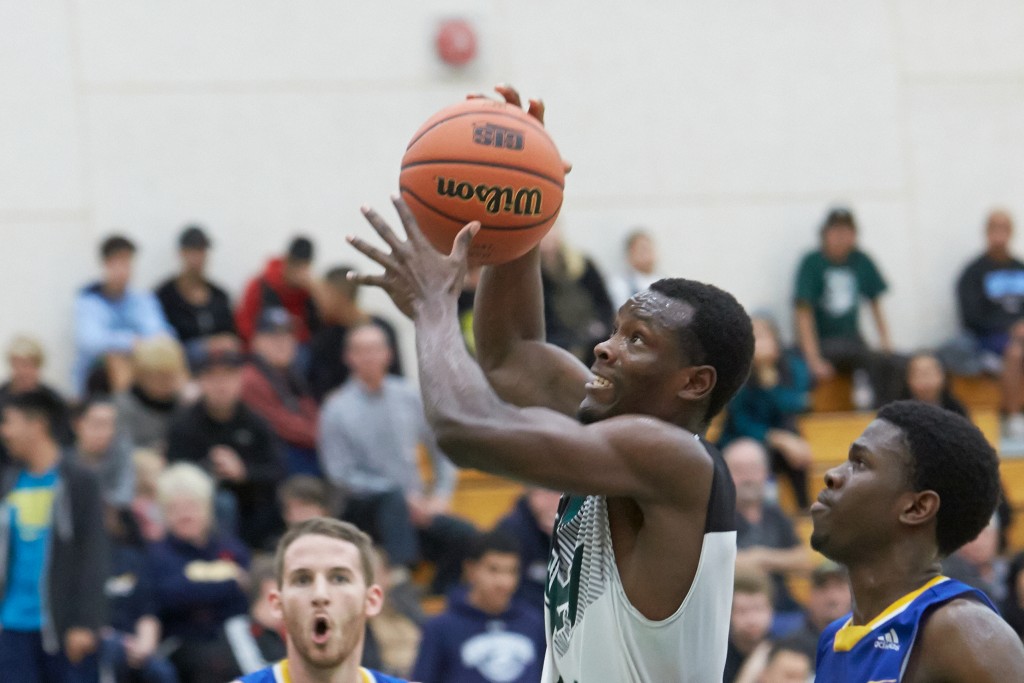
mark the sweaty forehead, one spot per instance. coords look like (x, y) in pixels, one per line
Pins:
(659, 309)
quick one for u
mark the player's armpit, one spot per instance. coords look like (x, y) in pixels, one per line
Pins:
(630, 456)
(966, 642)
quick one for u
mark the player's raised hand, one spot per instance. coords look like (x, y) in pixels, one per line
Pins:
(413, 270)
(511, 96)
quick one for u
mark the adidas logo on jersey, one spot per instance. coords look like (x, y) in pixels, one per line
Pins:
(889, 641)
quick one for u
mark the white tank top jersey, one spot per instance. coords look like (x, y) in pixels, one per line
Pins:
(596, 636)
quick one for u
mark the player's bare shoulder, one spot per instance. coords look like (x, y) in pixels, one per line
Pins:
(963, 640)
(674, 460)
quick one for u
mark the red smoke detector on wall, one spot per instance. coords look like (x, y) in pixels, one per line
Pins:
(456, 42)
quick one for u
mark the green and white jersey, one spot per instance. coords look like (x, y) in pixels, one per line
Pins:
(596, 636)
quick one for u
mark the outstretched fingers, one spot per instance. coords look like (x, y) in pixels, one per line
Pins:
(460, 250)
(412, 228)
(386, 260)
(371, 280)
(382, 228)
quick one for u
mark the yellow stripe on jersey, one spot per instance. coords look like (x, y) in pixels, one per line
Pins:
(283, 675)
(849, 635)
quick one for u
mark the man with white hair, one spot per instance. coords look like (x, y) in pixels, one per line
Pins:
(198, 575)
(765, 538)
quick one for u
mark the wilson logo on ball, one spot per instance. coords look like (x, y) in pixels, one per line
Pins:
(497, 136)
(525, 201)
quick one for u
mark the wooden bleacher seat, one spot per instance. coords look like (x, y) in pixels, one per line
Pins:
(1012, 472)
(485, 500)
(833, 396)
(830, 434)
(977, 393)
(479, 497)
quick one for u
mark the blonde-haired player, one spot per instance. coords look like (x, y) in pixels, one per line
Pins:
(325, 593)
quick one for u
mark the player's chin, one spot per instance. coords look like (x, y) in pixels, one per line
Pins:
(819, 541)
(591, 411)
(324, 655)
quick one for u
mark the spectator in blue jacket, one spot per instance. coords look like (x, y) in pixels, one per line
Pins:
(766, 407)
(110, 317)
(531, 522)
(53, 551)
(129, 650)
(199, 577)
(485, 635)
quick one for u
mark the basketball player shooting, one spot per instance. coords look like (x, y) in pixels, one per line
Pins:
(640, 578)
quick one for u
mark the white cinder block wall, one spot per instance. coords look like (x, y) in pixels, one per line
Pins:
(727, 128)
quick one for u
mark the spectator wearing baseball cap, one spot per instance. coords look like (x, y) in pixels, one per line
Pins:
(273, 389)
(195, 307)
(285, 282)
(235, 446)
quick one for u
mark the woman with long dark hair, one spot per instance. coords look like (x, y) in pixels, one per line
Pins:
(926, 379)
(766, 407)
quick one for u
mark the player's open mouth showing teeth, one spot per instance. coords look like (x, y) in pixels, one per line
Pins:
(600, 383)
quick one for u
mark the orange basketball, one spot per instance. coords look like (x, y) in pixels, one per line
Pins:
(483, 160)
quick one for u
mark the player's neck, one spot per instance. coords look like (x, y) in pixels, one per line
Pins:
(878, 583)
(300, 671)
(692, 421)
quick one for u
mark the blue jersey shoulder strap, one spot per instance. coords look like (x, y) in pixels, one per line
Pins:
(278, 673)
(378, 677)
(879, 651)
(270, 674)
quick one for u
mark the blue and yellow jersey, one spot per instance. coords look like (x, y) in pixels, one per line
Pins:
(878, 652)
(278, 673)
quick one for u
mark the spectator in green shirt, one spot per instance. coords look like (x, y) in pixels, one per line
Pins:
(830, 284)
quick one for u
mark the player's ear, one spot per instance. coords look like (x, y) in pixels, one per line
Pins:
(274, 598)
(920, 507)
(697, 382)
(374, 600)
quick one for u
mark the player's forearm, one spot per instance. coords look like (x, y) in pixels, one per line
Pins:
(456, 395)
(509, 308)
